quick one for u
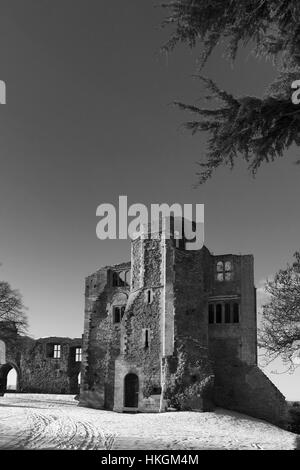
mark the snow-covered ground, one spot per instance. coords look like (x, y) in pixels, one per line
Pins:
(57, 422)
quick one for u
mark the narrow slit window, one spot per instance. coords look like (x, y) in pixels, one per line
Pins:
(148, 296)
(146, 339)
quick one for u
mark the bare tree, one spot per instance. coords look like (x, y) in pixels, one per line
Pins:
(280, 332)
(12, 308)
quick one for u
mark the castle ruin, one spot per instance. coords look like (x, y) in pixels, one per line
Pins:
(174, 328)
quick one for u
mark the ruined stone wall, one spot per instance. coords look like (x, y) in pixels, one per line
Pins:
(36, 370)
(190, 378)
(101, 339)
(248, 311)
(12, 347)
(42, 373)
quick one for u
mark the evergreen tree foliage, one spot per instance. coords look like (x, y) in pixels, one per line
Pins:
(256, 129)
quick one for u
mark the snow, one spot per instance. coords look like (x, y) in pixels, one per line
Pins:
(34, 421)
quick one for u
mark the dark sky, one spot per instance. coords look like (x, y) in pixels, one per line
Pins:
(88, 118)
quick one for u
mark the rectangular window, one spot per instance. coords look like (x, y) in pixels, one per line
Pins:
(56, 351)
(220, 271)
(227, 313)
(211, 313)
(224, 271)
(236, 313)
(219, 313)
(118, 313)
(78, 354)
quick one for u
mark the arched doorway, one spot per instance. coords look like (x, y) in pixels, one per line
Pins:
(12, 380)
(131, 391)
(9, 378)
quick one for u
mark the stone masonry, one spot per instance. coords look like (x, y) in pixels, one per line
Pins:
(174, 328)
(46, 365)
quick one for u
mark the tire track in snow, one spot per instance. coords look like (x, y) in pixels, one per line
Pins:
(59, 431)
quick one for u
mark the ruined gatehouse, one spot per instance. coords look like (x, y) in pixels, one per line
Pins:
(174, 328)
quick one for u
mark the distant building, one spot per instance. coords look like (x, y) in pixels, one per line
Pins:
(174, 328)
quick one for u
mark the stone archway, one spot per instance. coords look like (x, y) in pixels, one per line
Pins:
(12, 380)
(131, 391)
(5, 370)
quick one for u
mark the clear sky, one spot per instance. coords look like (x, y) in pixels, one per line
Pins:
(88, 118)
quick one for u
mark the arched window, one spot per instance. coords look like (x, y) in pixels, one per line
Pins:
(228, 266)
(220, 266)
(12, 380)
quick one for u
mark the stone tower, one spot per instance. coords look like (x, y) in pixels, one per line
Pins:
(174, 328)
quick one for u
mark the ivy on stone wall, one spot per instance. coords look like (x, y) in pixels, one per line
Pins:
(190, 385)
